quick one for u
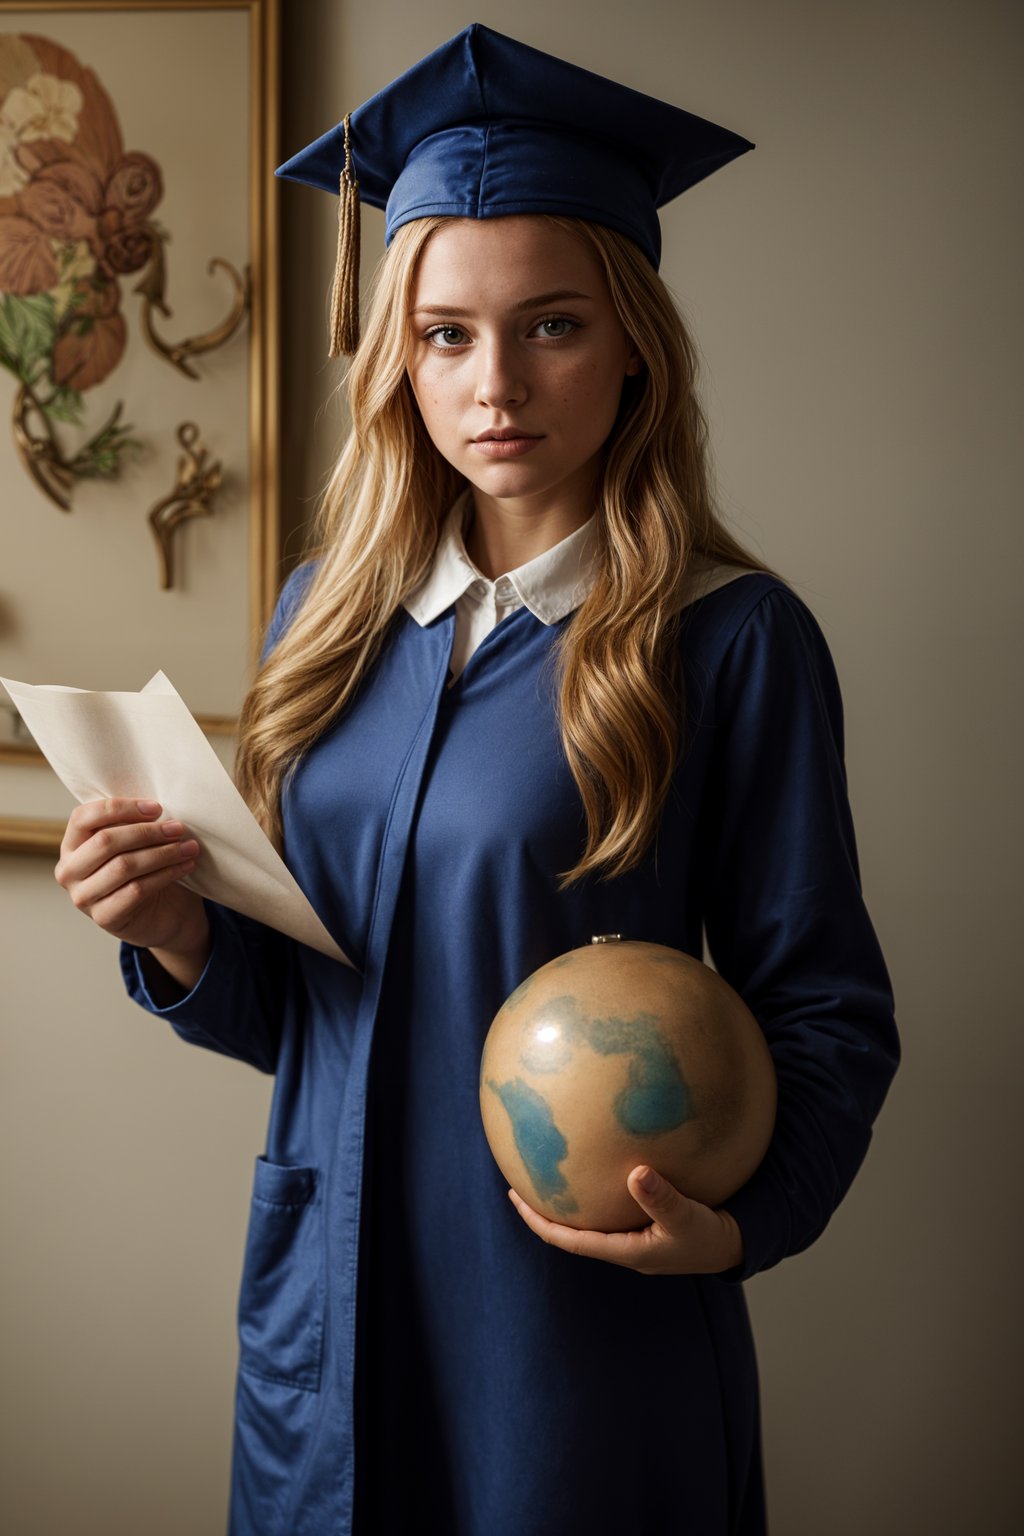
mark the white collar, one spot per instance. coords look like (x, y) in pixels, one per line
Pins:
(551, 585)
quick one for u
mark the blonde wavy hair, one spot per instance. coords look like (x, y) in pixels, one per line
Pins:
(618, 667)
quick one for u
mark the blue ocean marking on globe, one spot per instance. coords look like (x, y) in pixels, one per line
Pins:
(655, 1098)
(539, 1142)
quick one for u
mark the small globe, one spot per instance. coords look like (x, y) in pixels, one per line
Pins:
(616, 1054)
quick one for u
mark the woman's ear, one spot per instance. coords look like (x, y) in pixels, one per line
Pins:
(634, 362)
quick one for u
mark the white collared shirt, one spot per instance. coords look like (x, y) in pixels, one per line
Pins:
(551, 585)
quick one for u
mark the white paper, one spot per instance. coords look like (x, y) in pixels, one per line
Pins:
(147, 745)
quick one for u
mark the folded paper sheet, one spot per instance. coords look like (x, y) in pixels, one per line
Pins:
(148, 745)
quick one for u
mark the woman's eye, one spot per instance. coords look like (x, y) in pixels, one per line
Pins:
(447, 336)
(557, 327)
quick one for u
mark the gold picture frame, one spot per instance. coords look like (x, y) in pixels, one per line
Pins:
(88, 600)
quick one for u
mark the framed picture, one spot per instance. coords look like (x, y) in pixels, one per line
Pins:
(139, 352)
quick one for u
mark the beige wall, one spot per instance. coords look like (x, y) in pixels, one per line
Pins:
(855, 287)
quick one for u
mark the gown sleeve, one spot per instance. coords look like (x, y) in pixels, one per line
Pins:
(239, 1002)
(786, 923)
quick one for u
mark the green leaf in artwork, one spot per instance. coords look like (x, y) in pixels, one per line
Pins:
(102, 456)
(65, 405)
(28, 329)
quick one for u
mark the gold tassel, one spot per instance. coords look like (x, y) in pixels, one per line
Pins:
(345, 295)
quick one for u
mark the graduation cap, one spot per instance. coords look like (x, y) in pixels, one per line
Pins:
(486, 126)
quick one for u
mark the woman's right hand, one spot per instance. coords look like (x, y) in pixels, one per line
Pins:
(120, 864)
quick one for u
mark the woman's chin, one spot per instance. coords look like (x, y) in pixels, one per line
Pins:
(513, 480)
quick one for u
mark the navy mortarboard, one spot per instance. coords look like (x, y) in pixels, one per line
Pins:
(484, 127)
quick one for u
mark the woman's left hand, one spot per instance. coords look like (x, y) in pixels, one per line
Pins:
(684, 1238)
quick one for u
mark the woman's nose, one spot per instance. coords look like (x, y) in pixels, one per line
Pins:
(500, 380)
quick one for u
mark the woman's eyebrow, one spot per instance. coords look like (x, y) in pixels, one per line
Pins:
(536, 302)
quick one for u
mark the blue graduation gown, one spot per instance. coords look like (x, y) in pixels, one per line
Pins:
(412, 1356)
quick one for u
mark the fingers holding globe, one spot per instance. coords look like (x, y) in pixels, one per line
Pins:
(616, 1054)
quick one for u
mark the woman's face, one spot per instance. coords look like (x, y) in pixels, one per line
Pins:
(513, 332)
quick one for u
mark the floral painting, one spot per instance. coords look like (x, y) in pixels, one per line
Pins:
(75, 217)
(139, 266)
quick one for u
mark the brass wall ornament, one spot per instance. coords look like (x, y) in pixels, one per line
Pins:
(42, 455)
(192, 497)
(152, 286)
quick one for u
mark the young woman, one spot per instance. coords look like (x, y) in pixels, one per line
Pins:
(528, 689)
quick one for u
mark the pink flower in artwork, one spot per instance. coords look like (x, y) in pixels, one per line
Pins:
(132, 192)
(55, 210)
(127, 251)
(75, 179)
(135, 187)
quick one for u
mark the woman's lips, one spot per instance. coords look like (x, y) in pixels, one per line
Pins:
(506, 447)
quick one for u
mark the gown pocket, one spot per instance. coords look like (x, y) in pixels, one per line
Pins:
(281, 1303)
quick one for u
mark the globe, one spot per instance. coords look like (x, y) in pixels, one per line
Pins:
(620, 1053)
